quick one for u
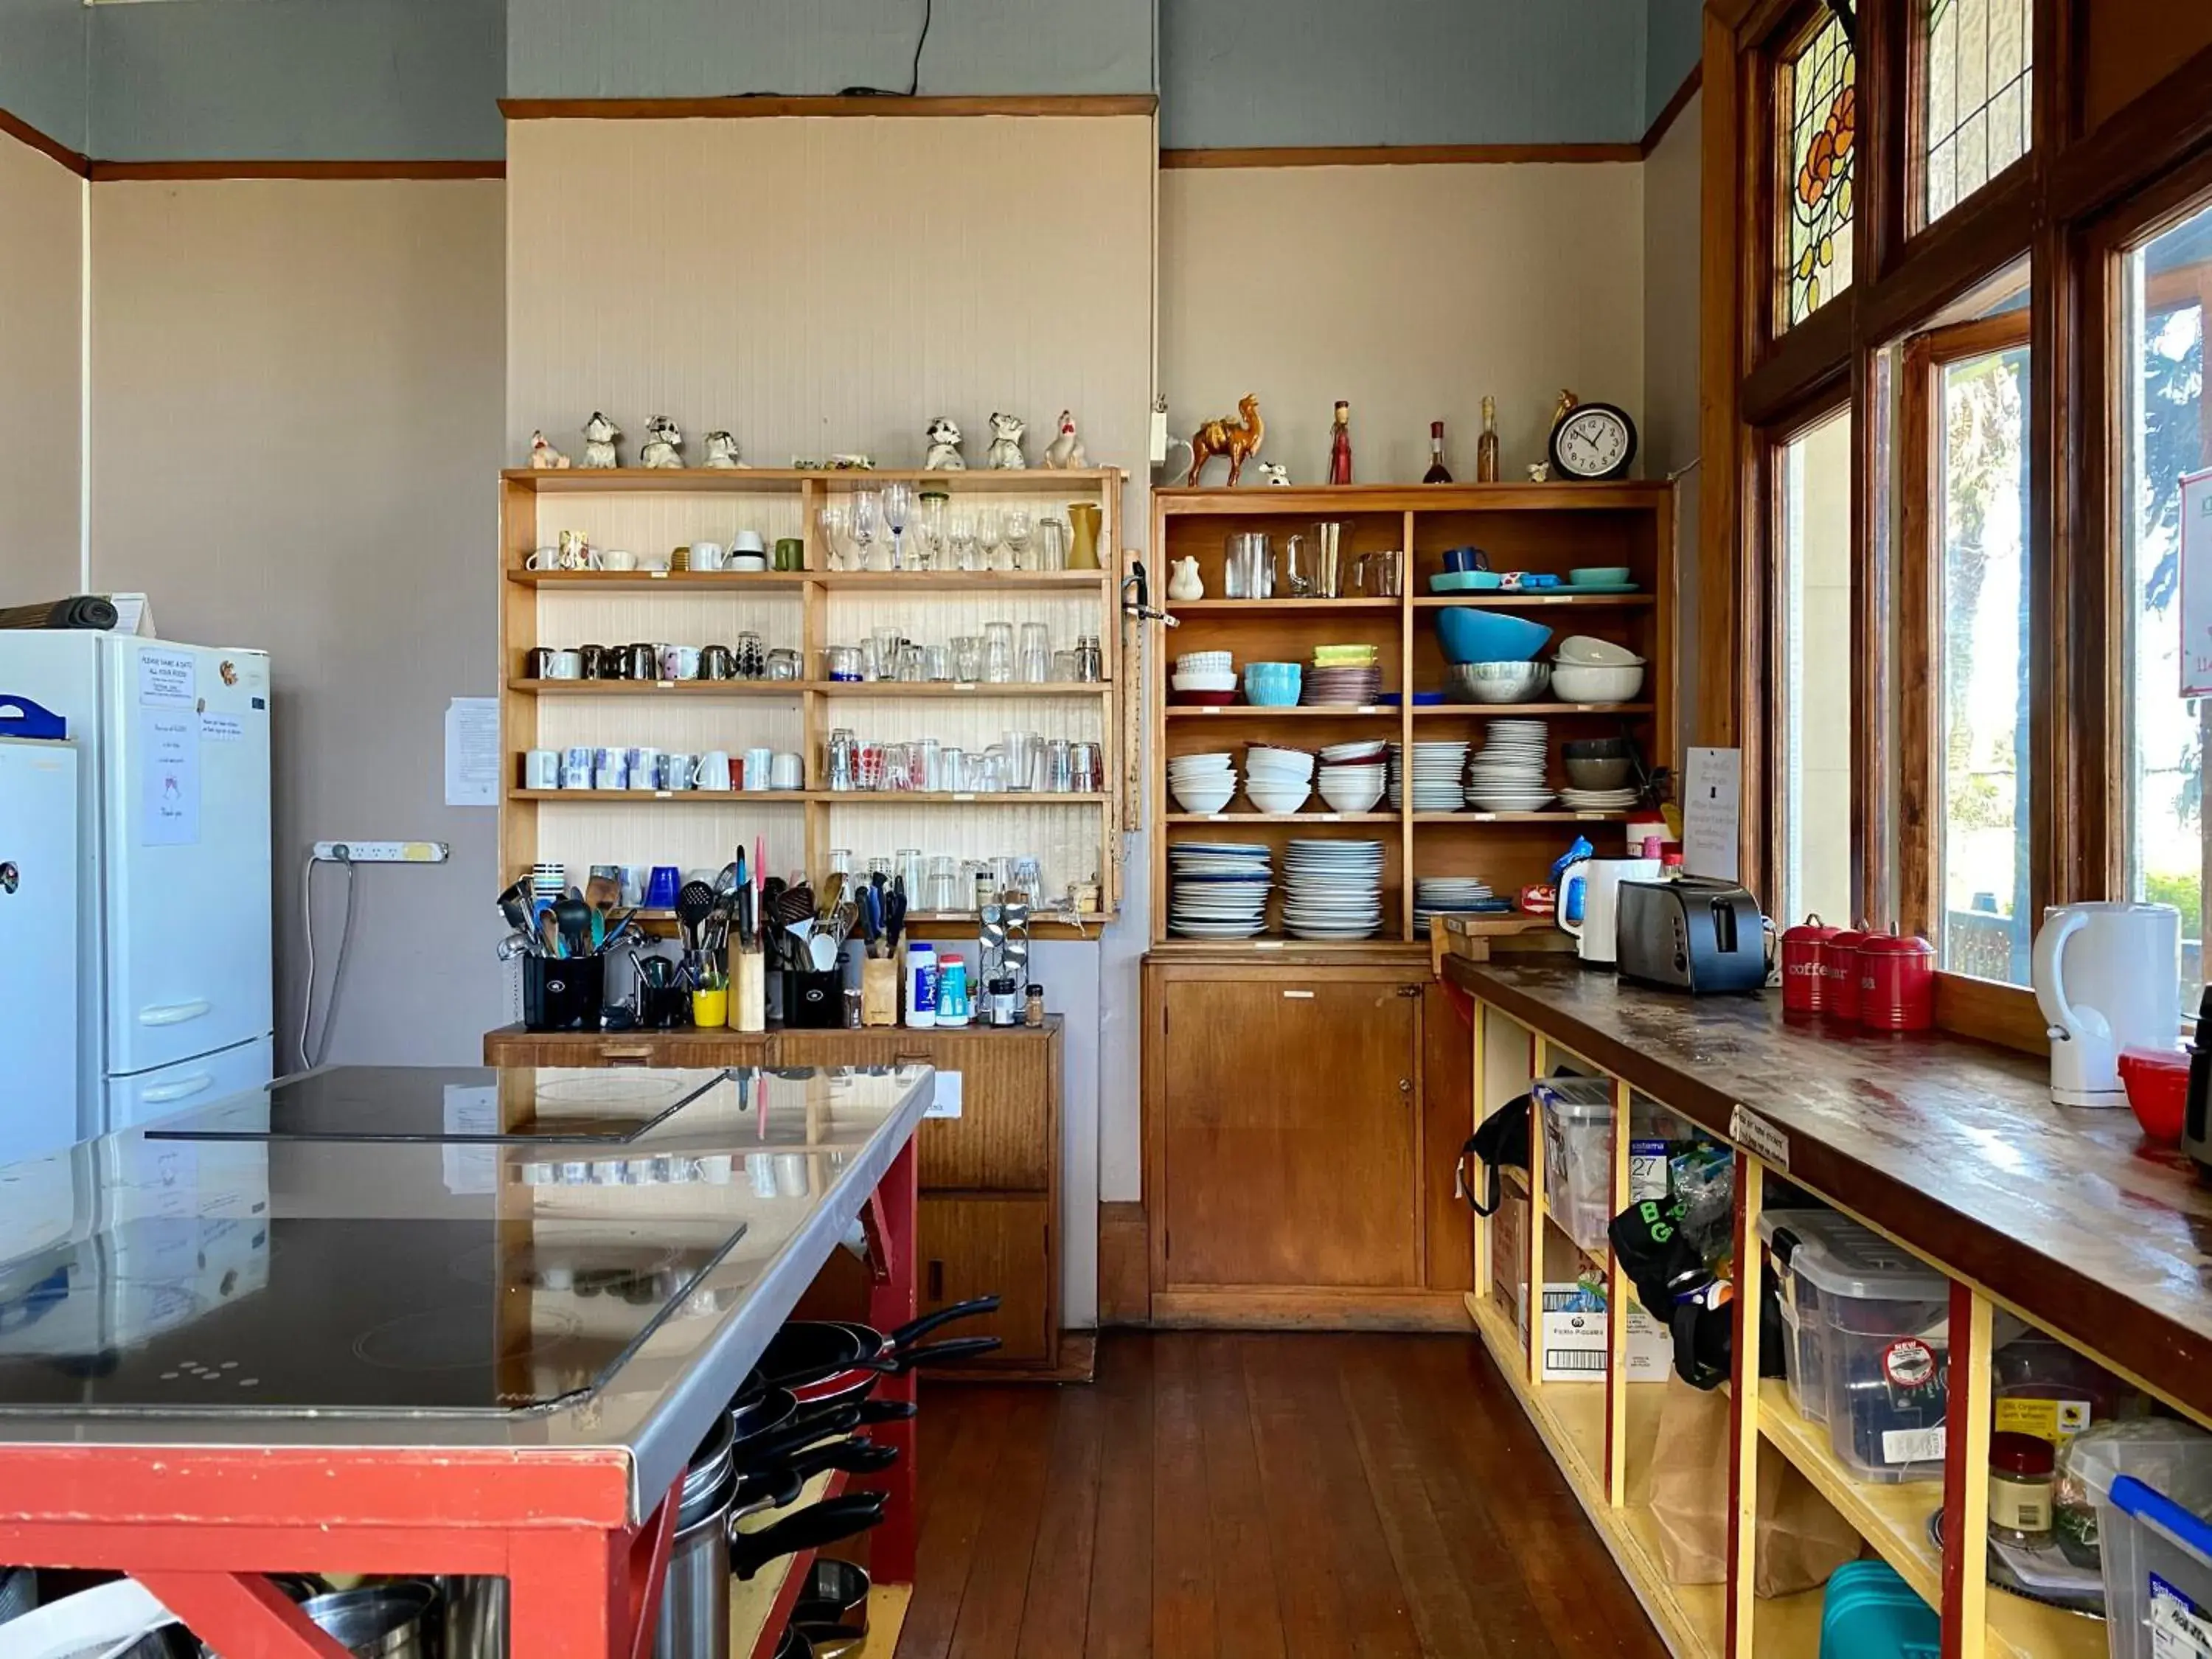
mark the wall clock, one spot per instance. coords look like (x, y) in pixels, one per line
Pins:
(1592, 441)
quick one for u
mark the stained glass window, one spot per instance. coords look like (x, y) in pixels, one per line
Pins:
(1819, 101)
(1980, 79)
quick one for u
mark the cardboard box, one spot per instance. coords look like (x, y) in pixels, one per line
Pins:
(1575, 1339)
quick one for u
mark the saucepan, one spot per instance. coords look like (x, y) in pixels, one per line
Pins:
(382, 1621)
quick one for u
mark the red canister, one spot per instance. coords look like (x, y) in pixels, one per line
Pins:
(1839, 972)
(1804, 979)
(1897, 983)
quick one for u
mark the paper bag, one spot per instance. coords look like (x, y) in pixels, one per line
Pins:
(1802, 1539)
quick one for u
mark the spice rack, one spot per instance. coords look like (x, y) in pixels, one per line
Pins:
(1550, 527)
(650, 512)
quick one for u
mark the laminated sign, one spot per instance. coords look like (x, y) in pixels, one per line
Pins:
(2196, 585)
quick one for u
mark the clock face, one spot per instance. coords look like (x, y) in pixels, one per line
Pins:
(1594, 442)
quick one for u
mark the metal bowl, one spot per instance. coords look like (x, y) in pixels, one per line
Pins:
(1496, 681)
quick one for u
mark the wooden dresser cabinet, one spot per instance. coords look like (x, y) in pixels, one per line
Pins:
(990, 1177)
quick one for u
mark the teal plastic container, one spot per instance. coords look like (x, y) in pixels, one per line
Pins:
(1869, 1613)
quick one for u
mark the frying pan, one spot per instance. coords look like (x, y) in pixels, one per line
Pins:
(830, 1522)
(818, 1358)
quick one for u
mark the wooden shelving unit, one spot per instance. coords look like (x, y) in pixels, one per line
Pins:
(1076, 836)
(1549, 527)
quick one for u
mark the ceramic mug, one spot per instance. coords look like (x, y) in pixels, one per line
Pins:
(680, 662)
(644, 770)
(538, 662)
(760, 769)
(600, 663)
(706, 556)
(554, 558)
(716, 662)
(787, 771)
(680, 771)
(576, 769)
(714, 769)
(541, 770)
(790, 553)
(616, 559)
(565, 666)
(748, 551)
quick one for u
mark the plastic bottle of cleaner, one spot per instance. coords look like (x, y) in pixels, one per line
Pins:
(920, 985)
(952, 1005)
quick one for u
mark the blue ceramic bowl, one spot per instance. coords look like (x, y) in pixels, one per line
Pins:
(1273, 684)
(1462, 581)
(1470, 636)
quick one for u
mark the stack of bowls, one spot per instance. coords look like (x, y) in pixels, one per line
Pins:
(1218, 889)
(1351, 674)
(1437, 767)
(1202, 783)
(1587, 669)
(1205, 677)
(1277, 780)
(1508, 775)
(1496, 681)
(1468, 634)
(1352, 775)
(1273, 684)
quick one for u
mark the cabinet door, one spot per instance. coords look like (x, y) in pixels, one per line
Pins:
(975, 1245)
(1002, 1139)
(1288, 1133)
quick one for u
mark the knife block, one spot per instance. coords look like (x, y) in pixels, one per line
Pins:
(879, 991)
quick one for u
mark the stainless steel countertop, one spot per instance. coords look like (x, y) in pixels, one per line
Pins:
(796, 1179)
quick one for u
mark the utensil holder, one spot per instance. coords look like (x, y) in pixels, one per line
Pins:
(563, 993)
(772, 997)
(748, 992)
(814, 1002)
(879, 991)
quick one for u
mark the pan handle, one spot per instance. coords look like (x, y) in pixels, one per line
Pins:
(945, 1353)
(915, 1330)
(856, 1456)
(887, 1411)
(797, 1435)
(826, 1522)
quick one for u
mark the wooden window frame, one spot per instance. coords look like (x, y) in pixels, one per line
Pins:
(1911, 77)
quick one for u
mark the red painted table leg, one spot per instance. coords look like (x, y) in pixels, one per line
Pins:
(892, 1302)
(567, 1594)
(240, 1615)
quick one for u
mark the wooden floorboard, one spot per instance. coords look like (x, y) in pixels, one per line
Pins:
(1257, 1496)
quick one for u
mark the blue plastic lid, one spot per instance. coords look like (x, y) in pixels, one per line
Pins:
(2137, 1499)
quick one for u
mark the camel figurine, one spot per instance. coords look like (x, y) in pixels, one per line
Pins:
(1238, 440)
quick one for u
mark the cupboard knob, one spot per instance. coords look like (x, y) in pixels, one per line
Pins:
(1405, 1086)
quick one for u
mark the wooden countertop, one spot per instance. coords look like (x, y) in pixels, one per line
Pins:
(1953, 1145)
(673, 1042)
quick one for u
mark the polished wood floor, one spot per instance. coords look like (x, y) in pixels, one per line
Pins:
(1264, 1497)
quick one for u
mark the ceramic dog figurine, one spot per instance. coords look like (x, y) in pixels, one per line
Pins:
(943, 447)
(1275, 474)
(600, 435)
(1006, 433)
(1065, 453)
(722, 451)
(544, 457)
(664, 444)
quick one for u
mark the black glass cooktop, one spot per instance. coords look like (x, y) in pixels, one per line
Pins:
(193, 1315)
(458, 1104)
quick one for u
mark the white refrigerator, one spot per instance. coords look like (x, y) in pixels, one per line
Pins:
(170, 1001)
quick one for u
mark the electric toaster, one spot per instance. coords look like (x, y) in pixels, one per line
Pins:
(1692, 934)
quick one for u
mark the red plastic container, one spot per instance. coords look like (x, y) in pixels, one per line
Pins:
(1839, 972)
(1804, 975)
(2157, 1082)
(1897, 983)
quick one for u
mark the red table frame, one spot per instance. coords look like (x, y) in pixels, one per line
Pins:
(200, 1527)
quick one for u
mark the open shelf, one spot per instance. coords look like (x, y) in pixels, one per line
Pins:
(1230, 820)
(1511, 710)
(962, 581)
(794, 480)
(1470, 815)
(801, 797)
(1496, 599)
(901, 689)
(1894, 1519)
(635, 582)
(1333, 711)
(1277, 607)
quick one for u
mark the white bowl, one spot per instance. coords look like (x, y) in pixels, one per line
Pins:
(1259, 755)
(1581, 683)
(1277, 800)
(1203, 680)
(1194, 798)
(1204, 662)
(1351, 797)
(1590, 652)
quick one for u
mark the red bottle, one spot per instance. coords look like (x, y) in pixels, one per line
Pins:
(1804, 975)
(1897, 983)
(1340, 444)
(1839, 972)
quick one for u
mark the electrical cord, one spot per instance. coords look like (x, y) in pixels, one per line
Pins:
(913, 76)
(309, 1061)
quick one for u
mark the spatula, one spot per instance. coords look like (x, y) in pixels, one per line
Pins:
(694, 904)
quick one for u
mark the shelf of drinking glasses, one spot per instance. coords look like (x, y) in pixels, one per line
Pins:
(793, 688)
(797, 796)
(748, 798)
(1274, 606)
(931, 581)
(767, 480)
(637, 581)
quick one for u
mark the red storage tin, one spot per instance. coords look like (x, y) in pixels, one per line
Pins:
(1897, 983)
(1804, 976)
(1839, 972)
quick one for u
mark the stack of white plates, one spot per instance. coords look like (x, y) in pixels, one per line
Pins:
(1434, 894)
(1277, 780)
(1508, 775)
(1202, 783)
(1436, 770)
(1218, 889)
(1600, 800)
(1332, 889)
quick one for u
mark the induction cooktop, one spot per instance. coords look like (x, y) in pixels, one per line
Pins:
(451, 1103)
(320, 1315)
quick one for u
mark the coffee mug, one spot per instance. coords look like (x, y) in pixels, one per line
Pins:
(660, 887)
(644, 661)
(790, 553)
(1465, 558)
(750, 561)
(644, 769)
(565, 666)
(787, 771)
(680, 771)
(706, 556)
(541, 770)
(652, 562)
(760, 769)
(714, 769)
(748, 541)
(610, 769)
(598, 663)
(538, 662)
(680, 662)
(616, 559)
(717, 662)
(576, 769)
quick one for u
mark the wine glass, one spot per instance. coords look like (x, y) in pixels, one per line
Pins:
(864, 525)
(962, 529)
(987, 534)
(1017, 530)
(898, 512)
(835, 518)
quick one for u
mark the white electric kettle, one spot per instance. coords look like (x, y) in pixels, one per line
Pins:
(2107, 977)
(1590, 904)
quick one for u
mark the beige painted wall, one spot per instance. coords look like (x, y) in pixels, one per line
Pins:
(41, 310)
(1671, 218)
(297, 397)
(1411, 291)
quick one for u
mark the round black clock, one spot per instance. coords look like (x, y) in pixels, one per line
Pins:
(1594, 441)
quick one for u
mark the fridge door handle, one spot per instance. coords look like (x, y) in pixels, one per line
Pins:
(172, 1013)
(182, 1089)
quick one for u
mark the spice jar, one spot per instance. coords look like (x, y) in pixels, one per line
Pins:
(1033, 1010)
(2020, 1489)
(1804, 979)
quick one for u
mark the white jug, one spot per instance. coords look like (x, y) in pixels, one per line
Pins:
(1186, 583)
(2107, 976)
(1596, 929)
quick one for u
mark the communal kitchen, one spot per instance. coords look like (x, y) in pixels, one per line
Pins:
(1015, 829)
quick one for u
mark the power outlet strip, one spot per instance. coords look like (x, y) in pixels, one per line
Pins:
(382, 852)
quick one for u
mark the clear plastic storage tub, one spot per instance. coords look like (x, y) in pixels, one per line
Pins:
(1578, 1155)
(1869, 1342)
(2158, 1576)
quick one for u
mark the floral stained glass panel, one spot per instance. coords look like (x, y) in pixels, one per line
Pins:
(1820, 103)
(1980, 95)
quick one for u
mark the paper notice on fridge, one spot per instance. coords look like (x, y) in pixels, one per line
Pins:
(472, 1109)
(1713, 812)
(472, 752)
(221, 728)
(167, 679)
(168, 777)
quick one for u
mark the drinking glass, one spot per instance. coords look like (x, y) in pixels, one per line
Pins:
(1029, 876)
(1015, 529)
(943, 889)
(961, 528)
(928, 765)
(835, 518)
(865, 523)
(841, 758)
(986, 771)
(1059, 771)
(1021, 750)
(1063, 669)
(1034, 663)
(887, 641)
(1086, 768)
(988, 534)
(929, 531)
(967, 658)
(907, 866)
(841, 860)
(997, 654)
(898, 512)
(908, 663)
(868, 766)
(952, 770)
(936, 663)
(783, 664)
(1052, 544)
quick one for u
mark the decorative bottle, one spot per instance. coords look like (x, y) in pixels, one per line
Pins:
(1486, 448)
(1340, 444)
(1437, 472)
